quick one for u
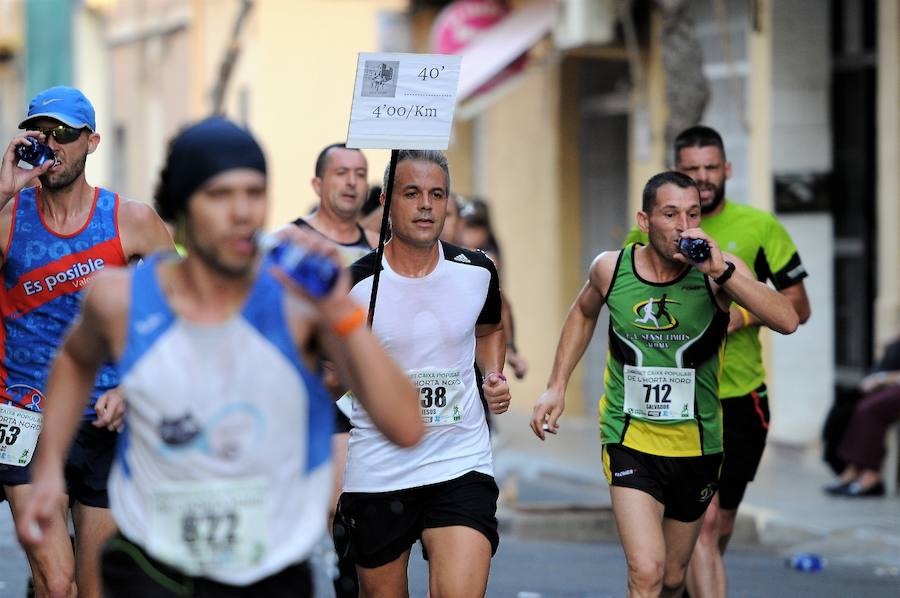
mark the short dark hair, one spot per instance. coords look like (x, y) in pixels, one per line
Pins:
(322, 158)
(669, 177)
(698, 136)
(433, 156)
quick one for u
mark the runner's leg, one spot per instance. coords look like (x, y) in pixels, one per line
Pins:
(53, 562)
(386, 581)
(639, 519)
(93, 527)
(680, 538)
(459, 561)
(706, 572)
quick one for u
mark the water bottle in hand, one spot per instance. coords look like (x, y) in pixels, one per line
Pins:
(35, 154)
(315, 273)
(696, 250)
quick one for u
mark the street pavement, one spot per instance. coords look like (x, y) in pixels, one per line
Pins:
(558, 538)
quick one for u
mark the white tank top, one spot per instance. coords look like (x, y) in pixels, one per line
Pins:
(223, 470)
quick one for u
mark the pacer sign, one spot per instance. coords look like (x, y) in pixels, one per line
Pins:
(403, 101)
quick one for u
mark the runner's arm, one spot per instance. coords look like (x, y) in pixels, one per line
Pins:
(796, 294)
(573, 341)
(71, 380)
(772, 308)
(376, 381)
(490, 355)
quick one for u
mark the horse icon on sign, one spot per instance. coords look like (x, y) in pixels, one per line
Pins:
(380, 79)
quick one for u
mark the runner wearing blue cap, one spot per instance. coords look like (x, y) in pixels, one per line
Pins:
(55, 237)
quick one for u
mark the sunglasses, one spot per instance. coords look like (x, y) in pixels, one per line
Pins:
(62, 133)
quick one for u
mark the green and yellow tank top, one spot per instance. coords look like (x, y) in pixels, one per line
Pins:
(666, 346)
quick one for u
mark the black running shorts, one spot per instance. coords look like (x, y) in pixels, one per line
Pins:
(383, 525)
(684, 485)
(746, 424)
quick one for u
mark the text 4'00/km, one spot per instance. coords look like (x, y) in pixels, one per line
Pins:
(411, 111)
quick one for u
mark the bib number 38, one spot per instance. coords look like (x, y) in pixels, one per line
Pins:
(441, 394)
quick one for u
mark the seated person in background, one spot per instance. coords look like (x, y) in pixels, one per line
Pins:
(862, 447)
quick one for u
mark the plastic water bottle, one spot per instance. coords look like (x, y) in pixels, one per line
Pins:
(314, 273)
(806, 562)
(697, 250)
(35, 154)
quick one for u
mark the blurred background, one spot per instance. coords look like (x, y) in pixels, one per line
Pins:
(566, 107)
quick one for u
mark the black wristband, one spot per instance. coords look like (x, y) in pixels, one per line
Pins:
(726, 275)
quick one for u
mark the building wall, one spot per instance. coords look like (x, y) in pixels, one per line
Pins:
(536, 214)
(303, 77)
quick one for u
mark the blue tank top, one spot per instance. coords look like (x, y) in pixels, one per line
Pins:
(44, 275)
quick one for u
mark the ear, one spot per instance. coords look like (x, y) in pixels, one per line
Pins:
(316, 183)
(727, 170)
(643, 221)
(381, 199)
(93, 142)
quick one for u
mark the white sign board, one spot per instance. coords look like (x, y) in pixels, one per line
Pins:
(403, 101)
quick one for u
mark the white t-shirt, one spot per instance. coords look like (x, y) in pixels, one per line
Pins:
(427, 325)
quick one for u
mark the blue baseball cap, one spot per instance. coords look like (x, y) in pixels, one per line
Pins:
(65, 104)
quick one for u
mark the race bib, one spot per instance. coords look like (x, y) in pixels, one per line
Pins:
(19, 431)
(441, 394)
(205, 526)
(658, 393)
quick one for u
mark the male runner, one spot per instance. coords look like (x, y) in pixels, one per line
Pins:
(765, 246)
(220, 484)
(54, 239)
(437, 314)
(660, 419)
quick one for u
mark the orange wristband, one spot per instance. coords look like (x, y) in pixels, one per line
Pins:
(350, 322)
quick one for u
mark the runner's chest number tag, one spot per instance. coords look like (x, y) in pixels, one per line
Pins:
(659, 393)
(19, 431)
(205, 526)
(441, 394)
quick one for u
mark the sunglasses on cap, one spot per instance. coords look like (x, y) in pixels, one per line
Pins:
(62, 133)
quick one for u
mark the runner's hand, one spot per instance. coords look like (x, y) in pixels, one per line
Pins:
(496, 393)
(715, 265)
(14, 178)
(110, 408)
(547, 411)
(36, 514)
(315, 243)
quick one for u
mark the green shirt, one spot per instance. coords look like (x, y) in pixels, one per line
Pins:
(765, 246)
(667, 339)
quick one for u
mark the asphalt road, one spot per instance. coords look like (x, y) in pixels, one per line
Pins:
(541, 569)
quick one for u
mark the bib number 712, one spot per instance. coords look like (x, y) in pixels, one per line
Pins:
(655, 390)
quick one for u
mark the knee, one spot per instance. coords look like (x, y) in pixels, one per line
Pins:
(645, 574)
(674, 579)
(726, 525)
(58, 585)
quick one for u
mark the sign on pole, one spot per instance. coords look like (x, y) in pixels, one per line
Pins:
(403, 101)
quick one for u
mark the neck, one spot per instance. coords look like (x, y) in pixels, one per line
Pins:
(61, 206)
(203, 295)
(409, 260)
(655, 267)
(341, 230)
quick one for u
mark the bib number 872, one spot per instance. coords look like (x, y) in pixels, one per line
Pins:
(433, 397)
(655, 390)
(216, 530)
